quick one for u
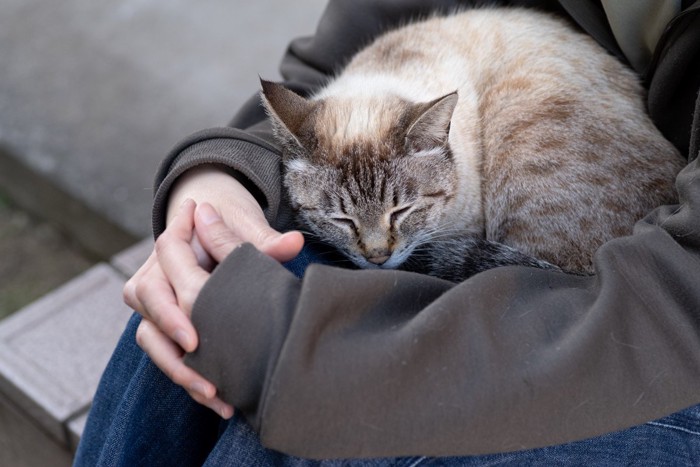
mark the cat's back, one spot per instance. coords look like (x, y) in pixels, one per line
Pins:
(477, 46)
(550, 131)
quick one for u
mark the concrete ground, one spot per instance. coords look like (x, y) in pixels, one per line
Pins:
(94, 94)
(36, 258)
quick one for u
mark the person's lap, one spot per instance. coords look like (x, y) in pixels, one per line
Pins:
(139, 417)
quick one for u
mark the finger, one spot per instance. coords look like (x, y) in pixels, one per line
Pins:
(160, 306)
(167, 356)
(221, 408)
(149, 294)
(215, 236)
(204, 260)
(178, 260)
(219, 239)
(129, 290)
(284, 247)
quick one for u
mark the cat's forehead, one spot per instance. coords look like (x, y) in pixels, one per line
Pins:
(361, 125)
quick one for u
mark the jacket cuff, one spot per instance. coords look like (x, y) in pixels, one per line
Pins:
(256, 162)
(238, 354)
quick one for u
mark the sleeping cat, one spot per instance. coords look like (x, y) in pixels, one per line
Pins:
(500, 133)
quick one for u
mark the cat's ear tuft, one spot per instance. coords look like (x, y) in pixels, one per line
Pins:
(287, 110)
(431, 126)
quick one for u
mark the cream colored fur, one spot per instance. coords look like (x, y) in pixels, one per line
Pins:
(553, 152)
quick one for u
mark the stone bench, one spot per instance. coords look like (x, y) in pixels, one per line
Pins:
(92, 96)
(52, 354)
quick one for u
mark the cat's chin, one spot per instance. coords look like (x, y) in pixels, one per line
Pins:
(362, 263)
(368, 265)
(398, 257)
(393, 262)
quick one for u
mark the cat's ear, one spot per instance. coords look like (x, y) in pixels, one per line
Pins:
(288, 112)
(431, 126)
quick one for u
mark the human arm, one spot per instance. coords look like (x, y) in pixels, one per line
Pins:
(158, 292)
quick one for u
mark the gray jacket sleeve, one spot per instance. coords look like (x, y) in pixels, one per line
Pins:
(252, 160)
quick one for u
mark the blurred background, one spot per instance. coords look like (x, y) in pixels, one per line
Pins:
(92, 97)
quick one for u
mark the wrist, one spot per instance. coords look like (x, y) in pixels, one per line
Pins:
(209, 183)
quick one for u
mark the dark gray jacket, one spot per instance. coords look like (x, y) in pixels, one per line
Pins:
(378, 363)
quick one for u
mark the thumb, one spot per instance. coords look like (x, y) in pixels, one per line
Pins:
(282, 247)
(218, 239)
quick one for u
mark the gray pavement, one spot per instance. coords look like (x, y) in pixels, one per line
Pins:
(93, 94)
(52, 354)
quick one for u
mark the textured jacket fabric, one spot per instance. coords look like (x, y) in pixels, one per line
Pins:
(349, 363)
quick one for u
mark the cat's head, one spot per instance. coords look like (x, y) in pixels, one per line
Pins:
(371, 175)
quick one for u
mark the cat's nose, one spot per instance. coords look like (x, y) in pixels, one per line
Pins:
(378, 260)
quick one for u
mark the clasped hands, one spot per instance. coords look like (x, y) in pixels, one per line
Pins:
(210, 215)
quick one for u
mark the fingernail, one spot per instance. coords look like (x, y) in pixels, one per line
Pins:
(182, 338)
(199, 388)
(207, 214)
(224, 412)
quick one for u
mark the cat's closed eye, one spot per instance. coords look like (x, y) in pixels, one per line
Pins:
(345, 222)
(398, 214)
(439, 140)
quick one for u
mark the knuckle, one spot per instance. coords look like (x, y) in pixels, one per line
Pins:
(129, 293)
(140, 289)
(222, 238)
(264, 235)
(188, 296)
(162, 242)
(156, 318)
(141, 334)
(178, 375)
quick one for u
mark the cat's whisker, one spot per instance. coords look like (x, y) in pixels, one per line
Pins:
(306, 233)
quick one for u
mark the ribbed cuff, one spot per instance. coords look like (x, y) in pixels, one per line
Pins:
(256, 161)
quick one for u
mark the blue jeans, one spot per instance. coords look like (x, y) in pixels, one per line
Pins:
(140, 418)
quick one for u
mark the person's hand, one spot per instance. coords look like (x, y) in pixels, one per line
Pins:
(238, 208)
(164, 289)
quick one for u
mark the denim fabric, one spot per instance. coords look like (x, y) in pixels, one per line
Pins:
(140, 418)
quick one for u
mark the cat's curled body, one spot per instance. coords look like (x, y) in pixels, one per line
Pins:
(497, 124)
